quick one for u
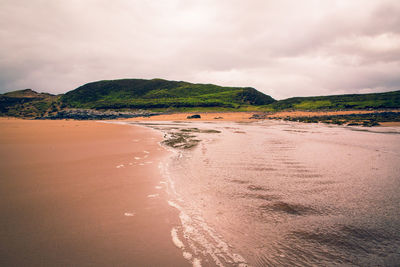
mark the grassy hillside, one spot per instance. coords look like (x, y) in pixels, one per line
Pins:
(342, 102)
(158, 93)
(28, 103)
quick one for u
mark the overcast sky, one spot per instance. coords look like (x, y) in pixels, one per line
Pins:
(282, 48)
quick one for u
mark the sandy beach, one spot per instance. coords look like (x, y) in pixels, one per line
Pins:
(325, 113)
(245, 116)
(205, 116)
(80, 193)
(264, 194)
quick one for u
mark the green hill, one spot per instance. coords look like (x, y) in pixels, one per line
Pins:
(341, 102)
(158, 93)
(27, 103)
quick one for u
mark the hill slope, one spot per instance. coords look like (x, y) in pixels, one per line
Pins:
(132, 94)
(158, 93)
(27, 103)
(336, 102)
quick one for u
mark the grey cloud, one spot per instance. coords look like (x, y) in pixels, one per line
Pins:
(286, 48)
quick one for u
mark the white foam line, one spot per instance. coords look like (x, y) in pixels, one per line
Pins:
(147, 152)
(137, 158)
(158, 187)
(169, 182)
(119, 166)
(187, 255)
(153, 195)
(129, 214)
(177, 242)
(196, 262)
(173, 204)
(194, 229)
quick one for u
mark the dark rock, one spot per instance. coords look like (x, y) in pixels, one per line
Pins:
(196, 116)
(90, 114)
(258, 116)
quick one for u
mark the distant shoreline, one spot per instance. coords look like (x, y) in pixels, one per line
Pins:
(356, 117)
(343, 116)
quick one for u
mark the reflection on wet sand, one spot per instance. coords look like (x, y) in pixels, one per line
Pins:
(280, 193)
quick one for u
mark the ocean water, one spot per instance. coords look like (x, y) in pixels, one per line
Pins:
(285, 194)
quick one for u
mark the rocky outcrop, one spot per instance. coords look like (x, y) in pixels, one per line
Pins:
(259, 116)
(196, 116)
(91, 114)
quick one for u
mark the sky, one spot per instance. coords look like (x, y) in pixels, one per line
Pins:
(283, 48)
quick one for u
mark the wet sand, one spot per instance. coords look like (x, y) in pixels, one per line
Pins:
(80, 193)
(263, 193)
(276, 193)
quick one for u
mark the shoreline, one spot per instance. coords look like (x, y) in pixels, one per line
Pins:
(228, 115)
(306, 116)
(250, 203)
(79, 193)
(84, 187)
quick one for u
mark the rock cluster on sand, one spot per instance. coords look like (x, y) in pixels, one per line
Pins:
(259, 116)
(196, 116)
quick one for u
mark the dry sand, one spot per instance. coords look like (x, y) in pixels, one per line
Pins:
(324, 113)
(245, 116)
(73, 194)
(205, 116)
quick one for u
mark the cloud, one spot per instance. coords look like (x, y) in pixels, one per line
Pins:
(285, 48)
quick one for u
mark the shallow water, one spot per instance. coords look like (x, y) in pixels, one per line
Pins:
(287, 194)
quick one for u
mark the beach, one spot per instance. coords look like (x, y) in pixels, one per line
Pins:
(204, 116)
(83, 193)
(223, 190)
(245, 116)
(277, 193)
